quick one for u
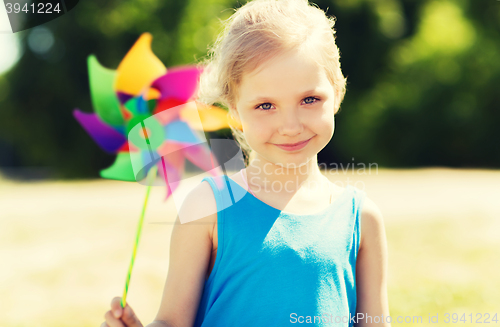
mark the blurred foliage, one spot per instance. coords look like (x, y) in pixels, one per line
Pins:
(422, 78)
(422, 82)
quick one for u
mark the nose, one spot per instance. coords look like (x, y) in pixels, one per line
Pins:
(290, 122)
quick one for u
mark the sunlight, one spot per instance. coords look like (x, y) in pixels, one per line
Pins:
(10, 51)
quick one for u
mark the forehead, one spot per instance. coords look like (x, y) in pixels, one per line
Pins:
(283, 75)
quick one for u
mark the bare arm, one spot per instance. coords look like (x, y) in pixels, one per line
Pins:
(190, 251)
(371, 269)
(160, 323)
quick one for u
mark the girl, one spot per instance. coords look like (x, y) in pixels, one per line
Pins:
(294, 247)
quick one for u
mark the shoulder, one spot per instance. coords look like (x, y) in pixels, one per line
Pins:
(372, 223)
(199, 205)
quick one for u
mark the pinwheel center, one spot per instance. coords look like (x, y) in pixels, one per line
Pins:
(145, 132)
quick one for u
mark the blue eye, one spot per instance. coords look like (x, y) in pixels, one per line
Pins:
(268, 106)
(313, 98)
(264, 106)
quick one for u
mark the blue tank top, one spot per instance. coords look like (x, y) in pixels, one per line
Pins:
(275, 268)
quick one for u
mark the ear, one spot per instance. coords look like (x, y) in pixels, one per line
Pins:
(234, 112)
(336, 101)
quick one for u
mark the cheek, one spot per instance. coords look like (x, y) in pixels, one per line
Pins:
(258, 128)
(325, 119)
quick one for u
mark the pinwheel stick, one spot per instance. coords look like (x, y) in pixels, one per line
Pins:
(151, 176)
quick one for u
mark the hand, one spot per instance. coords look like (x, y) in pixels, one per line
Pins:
(120, 317)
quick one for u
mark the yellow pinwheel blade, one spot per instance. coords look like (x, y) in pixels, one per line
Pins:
(205, 118)
(139, 68)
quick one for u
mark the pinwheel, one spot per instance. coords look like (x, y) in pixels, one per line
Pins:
(147, 116)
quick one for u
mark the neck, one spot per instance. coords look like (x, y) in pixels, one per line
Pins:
(285, 178)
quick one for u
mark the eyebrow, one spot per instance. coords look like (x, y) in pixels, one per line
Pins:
(264, 99)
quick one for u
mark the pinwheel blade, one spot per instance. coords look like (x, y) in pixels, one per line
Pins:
(179, 83)
(173, 151)
(165, 116)
(201, 156)
(179, 131)
(104, 100)
(122, 168)
(205, 118)
(106, 137)
(139, 67)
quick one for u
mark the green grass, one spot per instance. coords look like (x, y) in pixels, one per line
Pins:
(65, 247)
(443, 265)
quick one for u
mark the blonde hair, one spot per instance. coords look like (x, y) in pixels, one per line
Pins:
(257, 31)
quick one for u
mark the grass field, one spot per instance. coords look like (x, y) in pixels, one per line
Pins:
(65, 246)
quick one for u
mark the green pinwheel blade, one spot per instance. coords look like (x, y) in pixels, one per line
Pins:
(104, 99)
(122, 169)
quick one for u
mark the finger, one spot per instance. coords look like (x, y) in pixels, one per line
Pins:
(112, 321)
(129, 317)
(104, 324)
(116, 307)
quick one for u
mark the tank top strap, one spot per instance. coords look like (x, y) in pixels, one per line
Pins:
(219, 188)
(225, 193)
(358, 199)
(217, 185)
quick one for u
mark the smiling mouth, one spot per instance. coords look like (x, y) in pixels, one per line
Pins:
(294, 144)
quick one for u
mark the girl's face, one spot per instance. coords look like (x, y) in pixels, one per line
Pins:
(286, 100)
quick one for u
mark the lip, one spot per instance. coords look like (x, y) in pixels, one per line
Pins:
(294, 146)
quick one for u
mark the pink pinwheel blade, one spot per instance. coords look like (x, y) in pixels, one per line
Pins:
(174, 151)
(105, 136)
(180, 83)
(201, 156)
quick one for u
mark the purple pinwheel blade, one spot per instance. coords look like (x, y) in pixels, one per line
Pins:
(123, 97)
(105, 136)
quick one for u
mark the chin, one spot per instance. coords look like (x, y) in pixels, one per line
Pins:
(291, 160)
